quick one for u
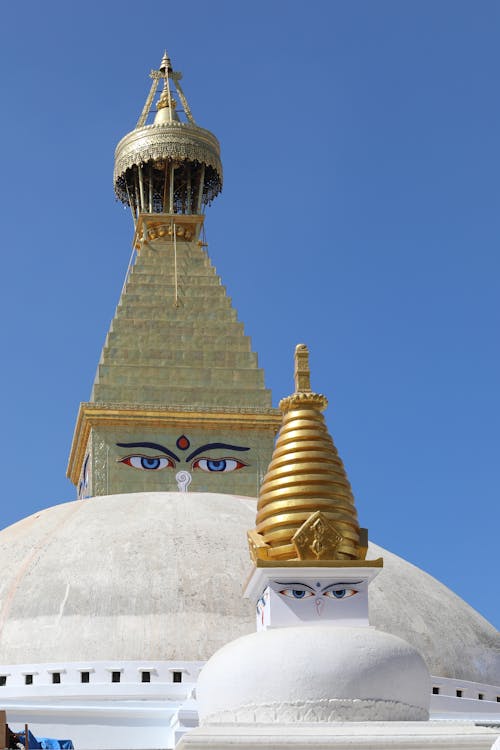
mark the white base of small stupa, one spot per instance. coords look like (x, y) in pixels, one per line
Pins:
(368, 735)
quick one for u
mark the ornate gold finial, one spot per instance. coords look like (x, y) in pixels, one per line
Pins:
(302, 376)
(166, 99)
(166, 65)
(302, 373)
(306, 508)
(169, 165)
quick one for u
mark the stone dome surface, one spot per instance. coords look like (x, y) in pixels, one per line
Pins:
(159, 576)
(367, 675)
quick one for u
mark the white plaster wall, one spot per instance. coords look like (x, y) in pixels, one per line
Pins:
(132, 714)
(447, 705)
(100, 679)
(122, 725)
(103, 714)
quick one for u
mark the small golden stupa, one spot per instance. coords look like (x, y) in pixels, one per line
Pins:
(306, 508)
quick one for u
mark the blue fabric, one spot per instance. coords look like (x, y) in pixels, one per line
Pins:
(45, 743)
(33, 742)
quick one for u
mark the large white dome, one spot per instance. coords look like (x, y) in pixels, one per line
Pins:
(158, 576)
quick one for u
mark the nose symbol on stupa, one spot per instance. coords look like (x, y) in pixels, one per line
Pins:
(183, 479)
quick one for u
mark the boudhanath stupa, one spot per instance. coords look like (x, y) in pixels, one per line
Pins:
(211, 585)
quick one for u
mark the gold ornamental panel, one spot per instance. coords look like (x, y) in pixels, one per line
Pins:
(318, 537)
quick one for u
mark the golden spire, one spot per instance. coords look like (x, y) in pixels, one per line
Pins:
(306, 508)
(169, 165)
(166, 100)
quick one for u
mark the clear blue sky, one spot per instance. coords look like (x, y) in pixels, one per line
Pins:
(360, 143)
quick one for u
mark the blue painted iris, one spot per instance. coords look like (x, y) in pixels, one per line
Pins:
(147, 463)
(217, 464)
(340, 593)
(150, 463)
(297, 593)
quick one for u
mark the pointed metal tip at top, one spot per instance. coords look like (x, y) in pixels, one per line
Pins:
(165, 65)
(303, 395)
(302, 373)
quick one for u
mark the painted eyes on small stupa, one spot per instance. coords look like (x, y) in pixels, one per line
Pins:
(331, 593)
(156, 463)
(297, 593)
(340, 593)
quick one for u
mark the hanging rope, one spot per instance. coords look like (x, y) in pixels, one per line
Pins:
(175, 267)
(202, 242)
(131, 206)
(127, 272)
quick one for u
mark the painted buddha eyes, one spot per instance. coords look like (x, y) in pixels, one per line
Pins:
(340, 593)
(156, 463)
(297, 593)
(193, 460)
(332, 593)
(218, 464)
(148, 463)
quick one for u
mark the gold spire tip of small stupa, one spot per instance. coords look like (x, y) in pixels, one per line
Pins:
(302, 376)
(306, 507)
(302, 373)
